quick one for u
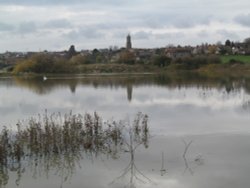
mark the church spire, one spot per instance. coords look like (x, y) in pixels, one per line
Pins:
(128, 44)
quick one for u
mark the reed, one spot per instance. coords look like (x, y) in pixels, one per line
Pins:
(56, 141)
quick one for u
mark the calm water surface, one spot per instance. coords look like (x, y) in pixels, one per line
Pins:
(212, 115)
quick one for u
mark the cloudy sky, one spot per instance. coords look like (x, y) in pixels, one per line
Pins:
(35, 25)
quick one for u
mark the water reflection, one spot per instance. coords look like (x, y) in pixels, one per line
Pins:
(56, 145)
(137, 136)
(163, 97)
(227, 155)
(163, 170)
(213, 112)
(39, 86)
(187, 167)
(228, 86)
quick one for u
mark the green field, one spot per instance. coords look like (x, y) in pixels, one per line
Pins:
(241, 58)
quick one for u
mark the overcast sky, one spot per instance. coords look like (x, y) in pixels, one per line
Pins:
(36, 25)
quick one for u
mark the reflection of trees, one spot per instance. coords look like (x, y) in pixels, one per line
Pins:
(198, 159)
(229, 84)
(7, 81)
(41, 87)
(246, 102)
(56, 144)
(138, 135)
(187, 145)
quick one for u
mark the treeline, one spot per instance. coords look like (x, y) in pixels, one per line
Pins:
(49, 63)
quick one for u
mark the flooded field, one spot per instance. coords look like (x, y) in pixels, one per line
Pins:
(198, 132)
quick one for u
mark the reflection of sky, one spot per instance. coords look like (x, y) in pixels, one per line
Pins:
(187, 110)
(216, 121)
(225, 164)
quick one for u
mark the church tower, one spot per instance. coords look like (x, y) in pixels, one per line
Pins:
(128, 44)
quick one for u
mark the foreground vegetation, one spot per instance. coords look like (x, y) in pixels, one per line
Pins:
(59, 141)
(57, 134)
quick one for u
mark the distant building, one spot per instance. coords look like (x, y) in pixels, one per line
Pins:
(128, 43)
(178, 52)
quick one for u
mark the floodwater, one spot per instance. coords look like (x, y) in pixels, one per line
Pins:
(199, 130)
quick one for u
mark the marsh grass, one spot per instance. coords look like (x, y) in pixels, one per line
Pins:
(59, 142)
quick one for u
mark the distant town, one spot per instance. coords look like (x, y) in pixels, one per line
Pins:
(130, 55)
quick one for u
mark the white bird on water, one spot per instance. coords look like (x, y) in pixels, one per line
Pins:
(44, 78)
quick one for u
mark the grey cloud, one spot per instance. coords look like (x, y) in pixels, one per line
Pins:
(183, 23)
(186, 21)
(203, 33)
(162, 18)
(27, 27)
(243, 19)
(60, 2)
(36, 2)
(6, 27)
(59, 23)
(91, 33)
(120, 34)
(143, 19)
(117, 24)
(88, 33)
(111, 25)
(169, 35)
(72, 35)
(142, 35)
(228, 34)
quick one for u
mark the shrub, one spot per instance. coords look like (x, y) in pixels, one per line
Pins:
(161, 60)
(213, 59)
(43, 63)
(196, 61)
(80, 59)
(127, 57)
(233, 61)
